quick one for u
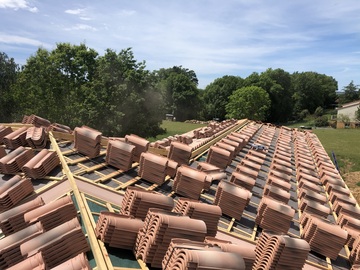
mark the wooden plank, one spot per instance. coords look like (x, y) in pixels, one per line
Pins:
(108, 176)
(129, 183)
(231, 224)
(82, 159)
(54, 178)
(253, 236)
(328, 261)
(102, 261)
(205, 196)
(236, 235)
(142, 265)
(197, 153)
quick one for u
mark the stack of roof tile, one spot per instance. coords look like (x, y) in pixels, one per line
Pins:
(141, 145)
(280, 252)
(171, 168)
(57, 245)
(12, 162)
(335, 196)
(12, 220)
(2, 152)
(351, 225)
(203, 132)
(312, 196)
(274, 215)
(36, 137)
(243, 169)
(189, 182)
(213, 172)
(137, 202)
(324, 237)
(79, 262)
(13, 191)
(177, 244)
(344, 208)
(246, 251)
(37, 121)
(180, 153)
(59, 128)
(35, 262)
(10, 253)
(41, 165)
(354, 257)
(242, 180)
(232, 199)
(4, 131)
(237, 140)
(314, 208)
(218, 157)
(276, 193)
(87, 141)
(192, 257)
(52, 214)
(210, 214)
(16, 138)
(120, 154)
(118, 230)
(278, 182)
(153, 167)
(227, 147)
(159, 228)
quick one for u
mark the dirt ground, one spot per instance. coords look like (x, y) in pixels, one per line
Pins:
(353, 182)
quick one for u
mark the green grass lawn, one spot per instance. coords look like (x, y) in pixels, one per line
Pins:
(345, 144)
(172, 128)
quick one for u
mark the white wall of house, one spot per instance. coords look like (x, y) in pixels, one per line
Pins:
(349, 110)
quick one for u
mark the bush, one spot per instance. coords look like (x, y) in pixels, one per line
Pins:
(303, 114)
(321, 121)
(319, 111)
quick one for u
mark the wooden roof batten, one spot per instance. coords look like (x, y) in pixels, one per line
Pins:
(102, 262)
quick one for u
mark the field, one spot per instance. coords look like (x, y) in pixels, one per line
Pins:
(172, 128)
(345, 144)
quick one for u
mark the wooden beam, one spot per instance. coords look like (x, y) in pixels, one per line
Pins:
(102, 261)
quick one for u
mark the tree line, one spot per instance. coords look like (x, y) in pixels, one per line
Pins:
(115, 93)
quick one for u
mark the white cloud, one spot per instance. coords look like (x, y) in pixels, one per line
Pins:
(75, 11)
(81, 27)
(19, 40)
(18, 4)
(126, 12)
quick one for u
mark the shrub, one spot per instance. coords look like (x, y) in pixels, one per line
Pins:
(303, 114)
(321, 121)
(319, 111)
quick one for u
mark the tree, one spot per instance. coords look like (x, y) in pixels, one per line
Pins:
(277, 84)
(122, 98)
(351, 93)
(72, 85)
(357, 114)
(216, 96)
(8, 75)
(52, 84)
(311, 90)
(178, 86)
(250, 102)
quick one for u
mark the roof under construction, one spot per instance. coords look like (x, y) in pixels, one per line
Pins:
(74, 199)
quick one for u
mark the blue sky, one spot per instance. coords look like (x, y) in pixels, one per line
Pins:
(214, 38)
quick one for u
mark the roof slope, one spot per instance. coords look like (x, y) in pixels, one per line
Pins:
(282, 173)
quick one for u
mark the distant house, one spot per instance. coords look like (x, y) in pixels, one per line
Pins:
(349, 110)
